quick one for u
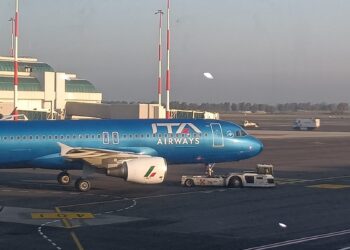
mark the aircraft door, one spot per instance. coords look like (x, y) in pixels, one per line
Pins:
(218, 138)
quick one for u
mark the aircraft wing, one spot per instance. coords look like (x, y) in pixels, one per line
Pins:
(100, 158)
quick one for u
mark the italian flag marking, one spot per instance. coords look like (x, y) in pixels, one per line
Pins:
(149, 172)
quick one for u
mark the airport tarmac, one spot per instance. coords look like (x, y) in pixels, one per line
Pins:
(311, 199)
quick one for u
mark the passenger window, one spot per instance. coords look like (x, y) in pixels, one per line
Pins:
(105, 138)
(243, 133)
(238, 133)
(115, 136)
(62, 137)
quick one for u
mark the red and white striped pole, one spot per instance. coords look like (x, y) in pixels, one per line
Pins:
(15, 63)
(168, 116)
(12, 20)
(160, 12)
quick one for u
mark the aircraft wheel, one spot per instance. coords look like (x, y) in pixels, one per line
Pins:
(82, 185)
(189, 183)
(235, 182)
(63, 178)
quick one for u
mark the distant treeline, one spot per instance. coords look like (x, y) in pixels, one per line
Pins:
(254, 107)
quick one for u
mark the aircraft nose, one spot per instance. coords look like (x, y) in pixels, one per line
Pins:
(257, 146)
(260, 146)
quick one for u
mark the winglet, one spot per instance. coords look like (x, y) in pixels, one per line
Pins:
(64, 148)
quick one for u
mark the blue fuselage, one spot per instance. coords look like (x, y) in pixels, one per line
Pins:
(35, 143)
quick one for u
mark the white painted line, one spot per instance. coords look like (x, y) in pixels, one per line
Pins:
(300, 240)
(345, 248)
(140, 198)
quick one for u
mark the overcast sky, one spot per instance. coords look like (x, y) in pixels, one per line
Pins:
(264, 51)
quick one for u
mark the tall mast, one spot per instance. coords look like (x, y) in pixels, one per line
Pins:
(168, 116)
(15, 62)
(160, 12)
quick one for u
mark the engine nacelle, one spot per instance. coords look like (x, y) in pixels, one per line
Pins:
(150, 170)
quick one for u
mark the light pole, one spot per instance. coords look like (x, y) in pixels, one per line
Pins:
(15, 64)
(160, 12)
(168, 116)
(12, 20)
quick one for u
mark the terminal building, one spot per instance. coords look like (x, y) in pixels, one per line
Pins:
(42, 91)
(44, 94)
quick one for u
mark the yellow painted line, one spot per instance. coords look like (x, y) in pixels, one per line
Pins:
(62, 216)
(66, 224)
(330, 186)
(76, 240)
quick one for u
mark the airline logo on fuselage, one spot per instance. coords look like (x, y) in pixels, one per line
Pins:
(174, 130)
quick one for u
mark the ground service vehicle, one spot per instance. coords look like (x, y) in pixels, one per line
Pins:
(306, 124)
(262, 177)
(248, 124)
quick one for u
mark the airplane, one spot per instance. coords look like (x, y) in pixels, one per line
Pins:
(135, 150)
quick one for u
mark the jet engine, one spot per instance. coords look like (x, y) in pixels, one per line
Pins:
(150, 170)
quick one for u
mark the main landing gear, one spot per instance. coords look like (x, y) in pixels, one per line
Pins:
(81, 184)
(63, 178)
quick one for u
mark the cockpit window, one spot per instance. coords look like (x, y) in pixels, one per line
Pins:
(240, 133)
